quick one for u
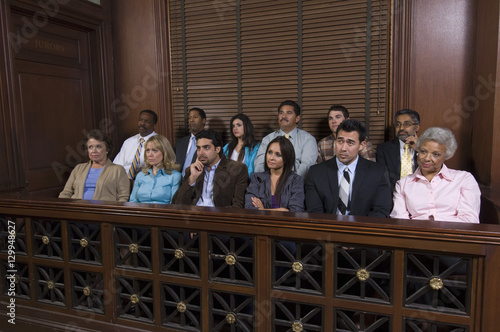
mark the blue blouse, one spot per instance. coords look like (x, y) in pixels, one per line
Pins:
(249, 156)
(155, 189)
(90, 182)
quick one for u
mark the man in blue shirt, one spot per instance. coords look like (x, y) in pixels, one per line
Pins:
(213, 180)
(304, 144)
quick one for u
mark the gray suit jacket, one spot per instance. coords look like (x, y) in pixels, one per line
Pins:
(292, 195)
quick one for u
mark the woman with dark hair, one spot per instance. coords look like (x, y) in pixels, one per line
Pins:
(278, 188)
(160, 178)
(243, 146)
(99, 178)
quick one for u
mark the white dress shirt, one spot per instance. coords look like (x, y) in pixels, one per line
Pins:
(127, 152)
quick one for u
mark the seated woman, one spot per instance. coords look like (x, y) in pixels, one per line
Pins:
(160, 178)
(278, 187)
(243, 146)
(98, 179)
(434, 191)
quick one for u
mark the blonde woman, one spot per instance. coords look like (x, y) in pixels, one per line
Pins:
(160, 178)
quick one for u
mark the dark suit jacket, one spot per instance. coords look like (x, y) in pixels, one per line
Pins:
(388, 154)
(371, 192)
(181, 146)
(230, 183)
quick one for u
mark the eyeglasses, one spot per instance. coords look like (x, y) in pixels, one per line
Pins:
(404, 124)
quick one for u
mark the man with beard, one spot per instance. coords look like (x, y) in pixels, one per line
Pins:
(304, 144)
(213, 180)
(399, 155)
(131, 155)
(185, 147)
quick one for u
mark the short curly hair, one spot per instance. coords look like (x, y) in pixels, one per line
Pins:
(100, 136)
(442, 136)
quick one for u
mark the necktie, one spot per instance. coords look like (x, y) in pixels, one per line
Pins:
(136, 163)
(406, 166)
(345, 183)
(189, 155)
(287, 136)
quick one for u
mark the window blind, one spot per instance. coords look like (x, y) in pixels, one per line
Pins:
(247, 56)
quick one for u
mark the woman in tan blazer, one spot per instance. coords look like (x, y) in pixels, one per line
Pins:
(99, 178)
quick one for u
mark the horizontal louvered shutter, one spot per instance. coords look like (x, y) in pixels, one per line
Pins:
(248, 56)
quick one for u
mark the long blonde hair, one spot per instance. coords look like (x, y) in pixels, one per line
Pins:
(168, 163)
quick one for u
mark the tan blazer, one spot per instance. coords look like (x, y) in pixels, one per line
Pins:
(112, 184)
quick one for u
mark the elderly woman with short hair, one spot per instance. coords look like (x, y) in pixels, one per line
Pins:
(435, 192)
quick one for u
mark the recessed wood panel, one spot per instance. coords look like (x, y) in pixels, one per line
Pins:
(51, 44)
(5, 178)
(442, 69)
(55, 108)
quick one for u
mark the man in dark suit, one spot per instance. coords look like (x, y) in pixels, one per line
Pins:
(393, 153)
(186, 146)
(213, 180)
(348, 184)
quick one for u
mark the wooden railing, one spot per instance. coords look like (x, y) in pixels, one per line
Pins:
(100, 266)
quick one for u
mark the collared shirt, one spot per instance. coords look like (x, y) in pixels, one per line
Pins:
(189, 157)
(155, 189)
(351, 168)
(326, 149)
(452, 195)
(127, 152)
(207, 196)
(303, 143)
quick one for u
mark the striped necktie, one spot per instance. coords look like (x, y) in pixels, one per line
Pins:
(136, 163)
(345, 183)
(406, 166)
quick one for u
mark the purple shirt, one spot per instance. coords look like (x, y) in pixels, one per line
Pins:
(275, 204)
(451, 196)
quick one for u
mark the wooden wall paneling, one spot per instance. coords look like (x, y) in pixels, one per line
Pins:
(486, 118)
(61, 69)
(141, 60)
(435, 70)
(165, 103)
(63, 94)
(54, 102)
(10, 174)
(400, 61)
(442, 69)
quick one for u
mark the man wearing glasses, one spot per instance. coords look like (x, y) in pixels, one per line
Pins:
(399, 155)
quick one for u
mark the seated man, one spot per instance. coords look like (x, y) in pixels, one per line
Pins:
(303, 143)
(185, 147)
(213, 180)
(131, 155)
(326, 146)
(348, 184)
(399, 155)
